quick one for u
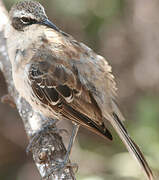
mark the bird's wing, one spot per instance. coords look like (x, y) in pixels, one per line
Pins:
(56, 83)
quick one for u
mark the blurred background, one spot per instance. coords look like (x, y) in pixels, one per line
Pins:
(127, 34)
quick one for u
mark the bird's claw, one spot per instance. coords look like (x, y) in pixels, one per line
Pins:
(48, 128)
(60, 167)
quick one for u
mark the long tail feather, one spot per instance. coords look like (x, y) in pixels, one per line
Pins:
(131, 146)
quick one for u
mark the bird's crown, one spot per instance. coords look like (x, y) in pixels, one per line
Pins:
(26, 12)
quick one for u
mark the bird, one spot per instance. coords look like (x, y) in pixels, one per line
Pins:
(63, 78)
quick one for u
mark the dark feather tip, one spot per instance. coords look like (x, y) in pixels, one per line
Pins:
(108, 135)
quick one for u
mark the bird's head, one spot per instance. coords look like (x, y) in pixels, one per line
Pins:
(26, 13)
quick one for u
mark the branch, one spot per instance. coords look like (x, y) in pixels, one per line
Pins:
(49, 147)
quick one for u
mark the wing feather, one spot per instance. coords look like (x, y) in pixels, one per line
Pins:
(59, 87)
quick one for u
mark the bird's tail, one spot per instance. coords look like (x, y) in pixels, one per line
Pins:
(131, 146)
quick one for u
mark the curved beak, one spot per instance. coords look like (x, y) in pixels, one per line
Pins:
(49, 24)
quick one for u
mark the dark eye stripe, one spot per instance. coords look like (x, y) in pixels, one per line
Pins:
(20, 23)
(28, 21)
(25, 20)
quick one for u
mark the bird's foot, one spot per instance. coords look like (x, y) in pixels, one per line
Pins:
(48, 128)
(60, 167)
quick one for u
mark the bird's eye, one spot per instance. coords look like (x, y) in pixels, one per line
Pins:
(25, 20)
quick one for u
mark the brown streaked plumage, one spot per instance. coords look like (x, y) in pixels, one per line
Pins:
(63, 78)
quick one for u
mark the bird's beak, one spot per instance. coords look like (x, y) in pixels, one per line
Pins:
(49, 24)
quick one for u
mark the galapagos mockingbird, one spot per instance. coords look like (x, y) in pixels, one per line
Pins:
(63, 78)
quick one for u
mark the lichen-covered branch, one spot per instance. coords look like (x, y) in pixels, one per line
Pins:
(48, 148)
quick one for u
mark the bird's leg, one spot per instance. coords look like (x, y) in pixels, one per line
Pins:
(65, 163)
(71, 142)
(49, 127)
